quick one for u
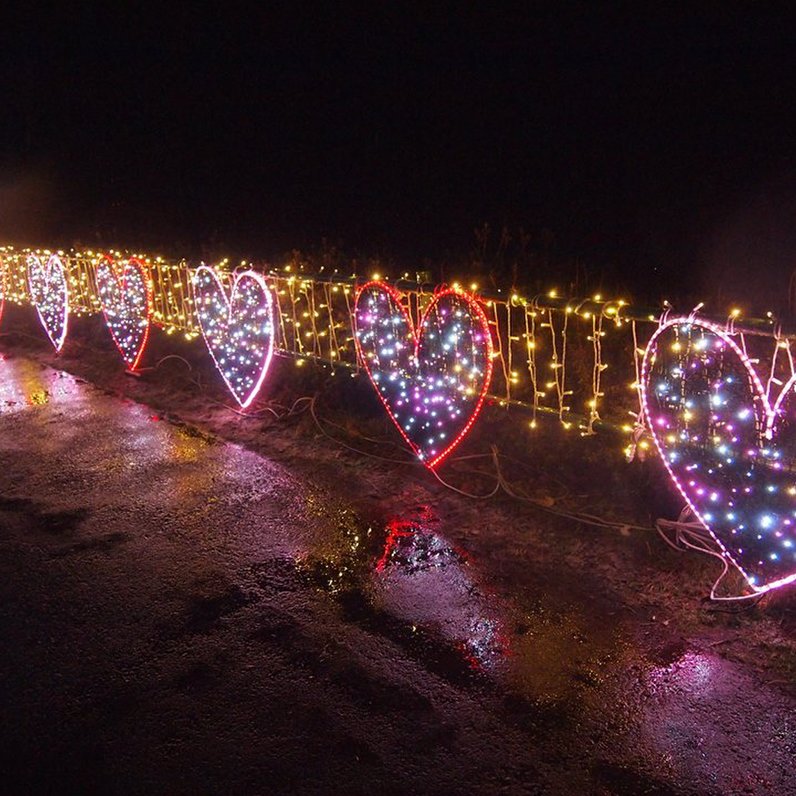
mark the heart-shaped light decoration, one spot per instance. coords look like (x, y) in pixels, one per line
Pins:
(126, 298)
(238, 327)
(729, 451)
(432, 383)
(3, 285)
(49, 293)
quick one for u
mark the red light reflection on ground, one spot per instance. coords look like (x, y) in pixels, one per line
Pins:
(422, 578)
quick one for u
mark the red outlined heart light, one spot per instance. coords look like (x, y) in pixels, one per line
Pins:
(49, 292)
(728, 450)
(238, 328)
(432, 383)
(126, 297)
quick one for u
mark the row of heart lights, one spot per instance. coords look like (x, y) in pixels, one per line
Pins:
(728, 449)
(238, 325)
(432, 382)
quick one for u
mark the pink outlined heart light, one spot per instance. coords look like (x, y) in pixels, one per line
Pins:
(728, 450)
(49, 293)
(432, 383)
(126, 299)
(3, 286)
(238, 328)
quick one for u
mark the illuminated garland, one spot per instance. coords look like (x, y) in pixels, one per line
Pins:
(729, 451)
(49, 293)
(432, 383)
(126, 299)
(238, 328)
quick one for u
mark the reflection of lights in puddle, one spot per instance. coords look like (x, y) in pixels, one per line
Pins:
(416, 549)
(486, 644)
(337, 560)
(25, 384)
(421, 579)
(418, 579)
(691, 672)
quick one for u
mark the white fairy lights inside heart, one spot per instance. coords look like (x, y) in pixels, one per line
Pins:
(238, 328)
(49, 292)
(432, 383)
(126, 297)
(730, 452)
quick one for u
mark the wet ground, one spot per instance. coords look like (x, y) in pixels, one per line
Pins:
(179, 614)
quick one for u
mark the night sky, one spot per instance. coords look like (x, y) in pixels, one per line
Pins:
(655, 149)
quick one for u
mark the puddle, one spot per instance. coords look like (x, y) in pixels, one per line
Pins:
(423, 580)
(24, 383)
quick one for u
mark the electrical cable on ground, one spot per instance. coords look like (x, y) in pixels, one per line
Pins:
(690, 534)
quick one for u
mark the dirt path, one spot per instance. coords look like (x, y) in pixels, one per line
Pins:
(179, 614)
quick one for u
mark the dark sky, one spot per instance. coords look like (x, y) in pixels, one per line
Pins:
(649, 144)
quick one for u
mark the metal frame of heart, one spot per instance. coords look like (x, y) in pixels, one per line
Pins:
(765, 418)
(229, 296)
(111, 268)
(53, 261)
(475, 309)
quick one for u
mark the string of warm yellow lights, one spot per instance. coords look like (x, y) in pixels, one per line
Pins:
(561, 342)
